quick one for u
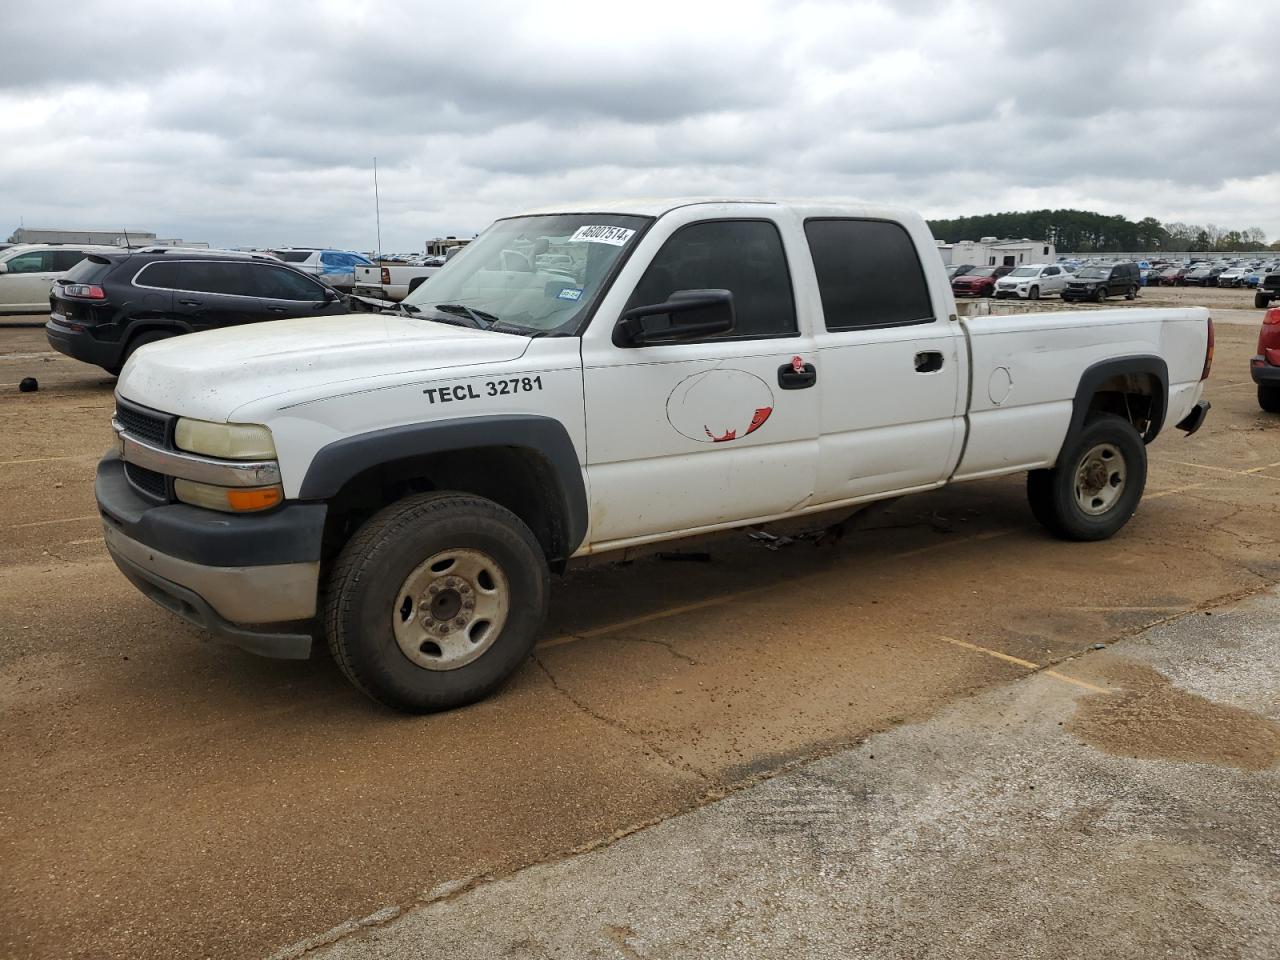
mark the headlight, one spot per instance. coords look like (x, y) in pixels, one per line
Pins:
(228, 441)
(228, 499)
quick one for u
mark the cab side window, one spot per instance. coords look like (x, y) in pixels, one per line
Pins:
(744, 257)
(869, 274)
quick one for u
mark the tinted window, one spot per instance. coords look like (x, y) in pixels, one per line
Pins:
(742, 256)
(869, 274)
(91, 269)
(277, 283)
(66, 259)
(165, 275)
(292, 256)
(37, 261)
(230, 279)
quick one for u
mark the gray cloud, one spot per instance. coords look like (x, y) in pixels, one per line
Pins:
(254, 123)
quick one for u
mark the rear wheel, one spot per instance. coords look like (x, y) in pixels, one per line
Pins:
(1097, 484)
(139, 341)
(436, 601)
(1131, 293)
(1269, 397)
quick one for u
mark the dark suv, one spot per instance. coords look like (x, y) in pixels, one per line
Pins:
(110, 304)
(1268, 290)
(1098, 283)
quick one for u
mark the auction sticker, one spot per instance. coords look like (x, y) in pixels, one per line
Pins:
(615, 236)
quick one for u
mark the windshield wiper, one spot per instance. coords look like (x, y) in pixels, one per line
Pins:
(481, 319)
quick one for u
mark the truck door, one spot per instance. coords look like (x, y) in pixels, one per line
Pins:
(696, 433)
(892, 372)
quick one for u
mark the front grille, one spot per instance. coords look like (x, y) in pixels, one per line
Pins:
(148, 481)
(142, 424)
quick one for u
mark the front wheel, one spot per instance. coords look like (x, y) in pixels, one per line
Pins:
(1100, 295)
(436, 601)
(1034, 293)
(1097, 484)
(1261, 301)
(1269, 397)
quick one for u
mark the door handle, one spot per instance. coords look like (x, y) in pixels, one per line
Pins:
(191, 303)
(789, 378)
(928, 361)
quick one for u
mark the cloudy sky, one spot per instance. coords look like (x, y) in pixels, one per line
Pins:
(256, 123)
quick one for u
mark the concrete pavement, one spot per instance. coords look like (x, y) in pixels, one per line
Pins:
(1123, 805)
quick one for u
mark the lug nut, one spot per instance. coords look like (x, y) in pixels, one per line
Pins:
(433, 589)
(461, 622)
(468, 604)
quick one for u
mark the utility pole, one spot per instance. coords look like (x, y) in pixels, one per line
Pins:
(377, 208)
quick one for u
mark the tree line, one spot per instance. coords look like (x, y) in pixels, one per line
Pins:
(1082, 231)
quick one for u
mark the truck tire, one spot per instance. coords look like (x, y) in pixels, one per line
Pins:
(1261, 301)
(435, 601)
(1097, 484)
(1269, 397)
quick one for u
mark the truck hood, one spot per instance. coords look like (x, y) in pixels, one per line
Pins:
(208, 375)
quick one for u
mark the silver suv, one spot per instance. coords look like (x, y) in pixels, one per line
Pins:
(1032, 281)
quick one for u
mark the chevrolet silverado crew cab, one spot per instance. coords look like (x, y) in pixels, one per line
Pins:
(402, 484)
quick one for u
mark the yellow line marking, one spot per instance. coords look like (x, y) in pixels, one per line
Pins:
(1171, 492)
(992, 653)
(1079, 683)
(4, 463)
(45, 523)
(1251, 472)
(1018, 661)
(740, 594)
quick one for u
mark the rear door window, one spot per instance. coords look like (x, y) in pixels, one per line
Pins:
(92, 269)
(292, 256)
(227, 279)
(869, 274)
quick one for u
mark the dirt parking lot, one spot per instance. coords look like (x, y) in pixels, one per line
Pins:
(164, 796)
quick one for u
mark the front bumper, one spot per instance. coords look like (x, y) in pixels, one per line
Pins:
(252, 580)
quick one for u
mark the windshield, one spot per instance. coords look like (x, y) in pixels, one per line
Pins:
(1094, 273)
(979, 272)
(535, 273)
(1026, 272)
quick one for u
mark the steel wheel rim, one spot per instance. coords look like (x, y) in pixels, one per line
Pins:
(451, 609)
(1100, 479)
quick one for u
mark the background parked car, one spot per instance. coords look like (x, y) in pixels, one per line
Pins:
(1032, 281)
(1203, 275)
(958, 269)
(1265, 366)
(27, 272)
(335, 267)
(978, 282)
(1232, 277)
(1268, 290)
(110, 304)
(1098, 283)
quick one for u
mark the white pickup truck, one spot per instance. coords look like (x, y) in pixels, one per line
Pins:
(389, 281)
(403, 484)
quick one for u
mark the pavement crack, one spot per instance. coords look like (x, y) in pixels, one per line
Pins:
(670, 647)
(619, 725)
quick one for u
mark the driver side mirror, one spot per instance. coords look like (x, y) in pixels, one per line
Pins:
(685, 315)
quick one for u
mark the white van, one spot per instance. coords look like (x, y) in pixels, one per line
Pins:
(27, 272)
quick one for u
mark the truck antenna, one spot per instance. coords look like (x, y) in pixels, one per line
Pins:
(377, 208)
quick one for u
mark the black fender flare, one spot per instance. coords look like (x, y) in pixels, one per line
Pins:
(1099, 373)
(335, 464)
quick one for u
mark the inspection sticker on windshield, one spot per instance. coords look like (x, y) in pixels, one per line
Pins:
(616, 236)
(569, 293)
